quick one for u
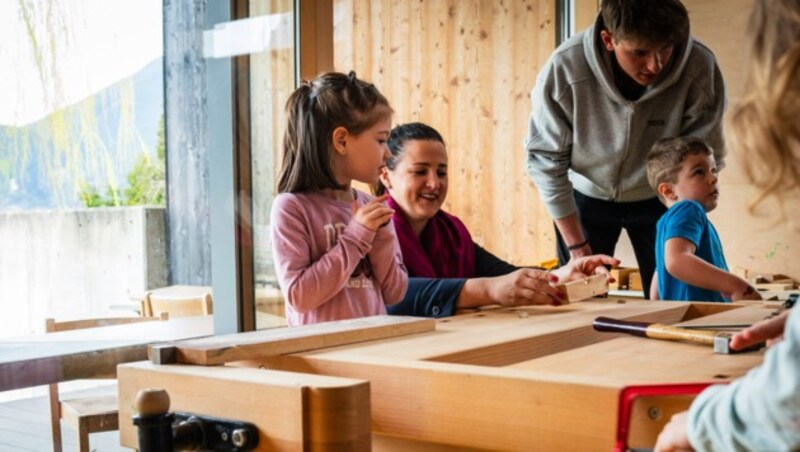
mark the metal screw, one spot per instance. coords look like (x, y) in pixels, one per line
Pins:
(654, 412)
(239, 437)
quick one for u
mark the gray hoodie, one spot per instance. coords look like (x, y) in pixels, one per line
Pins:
(584, 133)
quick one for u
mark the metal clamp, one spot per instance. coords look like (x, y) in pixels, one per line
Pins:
(161, 431)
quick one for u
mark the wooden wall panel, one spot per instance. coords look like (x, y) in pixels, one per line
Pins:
(466, 68)
(585, 13)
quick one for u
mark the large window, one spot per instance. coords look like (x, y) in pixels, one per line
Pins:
(82, 170)
(104, 182)
(81, 140)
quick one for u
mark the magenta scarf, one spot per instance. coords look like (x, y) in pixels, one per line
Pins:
(443, 250)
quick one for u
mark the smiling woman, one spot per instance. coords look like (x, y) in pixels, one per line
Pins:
(447, 270)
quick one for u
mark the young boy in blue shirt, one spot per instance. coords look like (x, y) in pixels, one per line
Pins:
(690, 265)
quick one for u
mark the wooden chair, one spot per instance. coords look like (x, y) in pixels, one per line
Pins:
(86, 413)
(177, 305)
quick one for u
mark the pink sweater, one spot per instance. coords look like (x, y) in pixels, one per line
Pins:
(329, 266)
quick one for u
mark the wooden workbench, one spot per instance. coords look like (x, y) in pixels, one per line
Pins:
(511, 378)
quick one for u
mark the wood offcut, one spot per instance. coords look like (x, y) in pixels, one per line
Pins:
(585, 288)
(278, 341)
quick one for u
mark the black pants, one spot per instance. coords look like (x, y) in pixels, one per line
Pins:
(603, 221)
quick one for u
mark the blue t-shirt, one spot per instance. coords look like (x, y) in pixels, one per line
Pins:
(687, 219)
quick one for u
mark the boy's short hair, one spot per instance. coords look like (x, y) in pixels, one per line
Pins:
(667, 155)
(653, 21)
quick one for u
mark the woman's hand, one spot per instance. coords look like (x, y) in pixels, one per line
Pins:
(770, 330)
(525, 286)
(583, 267)
(674, 436)
(373, 214)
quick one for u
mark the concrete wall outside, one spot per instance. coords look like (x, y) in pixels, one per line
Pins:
(69, 264)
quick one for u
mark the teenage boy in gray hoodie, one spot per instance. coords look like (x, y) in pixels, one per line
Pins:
(600, 102)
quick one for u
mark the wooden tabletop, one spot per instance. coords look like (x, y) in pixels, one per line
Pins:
(88, 353)
(40, 359)
(539, 375)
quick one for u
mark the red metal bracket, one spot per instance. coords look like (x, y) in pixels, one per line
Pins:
(630, 393)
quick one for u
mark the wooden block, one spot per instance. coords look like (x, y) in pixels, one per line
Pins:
(766, 278)
(635, 281)
(774, 286)
(277, 341)
(773, 304)
(291, 411)
(585, 288)
(621, 276)
(777, 296)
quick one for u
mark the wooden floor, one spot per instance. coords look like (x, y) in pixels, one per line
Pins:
(25, 426)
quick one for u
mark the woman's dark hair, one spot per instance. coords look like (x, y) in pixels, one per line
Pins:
(654, 21)
(398, 138)
(315, 110)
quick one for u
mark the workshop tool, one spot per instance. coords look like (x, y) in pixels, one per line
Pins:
(717, 339)
(161, 431)
(720, 326)
(787, 304)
